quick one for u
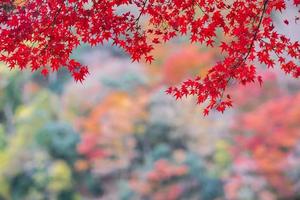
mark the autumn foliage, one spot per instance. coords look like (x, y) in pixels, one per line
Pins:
(278, 140)
(41, 35)
(118, 136)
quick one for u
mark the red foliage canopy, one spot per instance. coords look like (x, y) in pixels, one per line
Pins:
(41, 34)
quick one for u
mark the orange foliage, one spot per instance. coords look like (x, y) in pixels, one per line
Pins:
(176, 62)
(184, 62)
(20, 2)
(164, 170)
(106, 131)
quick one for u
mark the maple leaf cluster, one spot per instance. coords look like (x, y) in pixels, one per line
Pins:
(41, 35)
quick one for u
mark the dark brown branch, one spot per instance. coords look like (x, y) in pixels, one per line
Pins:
(257, 30)
(251, 44)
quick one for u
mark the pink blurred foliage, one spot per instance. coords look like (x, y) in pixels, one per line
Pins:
(268, 134)
(162, 171)
(249, 96)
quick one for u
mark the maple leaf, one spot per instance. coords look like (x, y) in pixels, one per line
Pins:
(45, 72)
(259, 79)
(169, 90)
(149, 59)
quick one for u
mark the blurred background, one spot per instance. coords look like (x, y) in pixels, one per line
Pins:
(119, 136)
